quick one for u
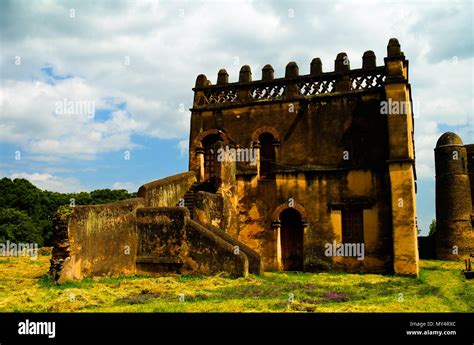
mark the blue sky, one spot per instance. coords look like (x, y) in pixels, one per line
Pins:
(137, 61)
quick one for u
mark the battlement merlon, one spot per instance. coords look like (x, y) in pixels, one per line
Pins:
(294, 86)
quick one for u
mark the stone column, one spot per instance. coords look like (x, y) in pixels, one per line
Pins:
(256, 147)
(276, 226)
(200, 159)
(401, 163)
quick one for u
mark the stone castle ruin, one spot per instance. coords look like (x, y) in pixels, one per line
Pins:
(329, 168)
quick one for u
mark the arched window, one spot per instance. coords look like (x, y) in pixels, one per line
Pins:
(210, 156)
(267, 156)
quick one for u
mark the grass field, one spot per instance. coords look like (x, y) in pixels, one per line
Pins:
(24, 287)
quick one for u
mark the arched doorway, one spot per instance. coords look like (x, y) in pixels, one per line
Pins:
(291, 236)
(267, 155)
(210, 147)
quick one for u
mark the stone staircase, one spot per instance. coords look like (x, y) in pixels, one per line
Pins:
(208, 246)
(161, 237)
(169, 241)
(188, 199)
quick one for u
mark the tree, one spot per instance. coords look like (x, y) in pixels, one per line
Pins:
(104, 196)
(35, 208)
(432, 227)
(16, 226)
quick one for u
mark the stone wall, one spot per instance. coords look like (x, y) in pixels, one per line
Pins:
(208, 253)
(160, 238)
(98, 240)
(170, 241)
(124, 238)
(215, 213)
(168, 191)
(470, 171)
(321, 195)
(255, 261)
(102, 239)
(209, 209)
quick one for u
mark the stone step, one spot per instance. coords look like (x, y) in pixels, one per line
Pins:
(189, 198)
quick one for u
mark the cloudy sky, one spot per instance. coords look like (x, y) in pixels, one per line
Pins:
(136, 62)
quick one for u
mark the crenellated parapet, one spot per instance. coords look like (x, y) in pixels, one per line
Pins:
(294, 86)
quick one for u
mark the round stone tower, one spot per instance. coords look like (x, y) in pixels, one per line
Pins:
(454, 235)
(470, 170)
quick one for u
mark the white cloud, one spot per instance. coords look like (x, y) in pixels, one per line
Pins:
(29, 118)
(51, 183)
(168, 48)
(425, 142)
(443, 91)
(183, 146)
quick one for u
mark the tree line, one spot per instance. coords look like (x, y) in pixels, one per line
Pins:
(26, 211)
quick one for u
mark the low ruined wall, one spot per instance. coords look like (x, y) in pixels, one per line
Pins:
(168, 191)
(99, 240)
(208, 253)
(161, 234)
(169, 241)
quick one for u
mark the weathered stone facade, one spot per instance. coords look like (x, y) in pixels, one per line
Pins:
(278, 169)
(324, 151)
